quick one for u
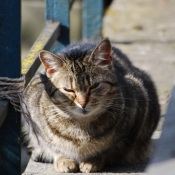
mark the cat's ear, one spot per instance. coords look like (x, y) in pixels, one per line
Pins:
(50, 61)
(102, 52)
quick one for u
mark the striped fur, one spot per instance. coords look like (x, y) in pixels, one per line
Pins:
(92, 107)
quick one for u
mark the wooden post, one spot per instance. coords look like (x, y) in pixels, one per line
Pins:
(10, 66)
(58, 10)
(92, 18)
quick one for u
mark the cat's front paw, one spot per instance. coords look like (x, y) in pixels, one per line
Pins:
(66, 166)
(90, 166)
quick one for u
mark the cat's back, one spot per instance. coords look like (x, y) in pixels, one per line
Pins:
(124, 67)
(132, 77)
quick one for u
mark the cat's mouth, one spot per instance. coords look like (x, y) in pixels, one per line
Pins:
(84, 111)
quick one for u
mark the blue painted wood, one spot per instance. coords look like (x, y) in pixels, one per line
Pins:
(10, 65)
(92, 18)
(58, 10)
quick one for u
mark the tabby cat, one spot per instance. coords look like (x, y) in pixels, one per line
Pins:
(91, 108)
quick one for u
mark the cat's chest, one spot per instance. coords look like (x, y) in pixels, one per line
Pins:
(80, 144)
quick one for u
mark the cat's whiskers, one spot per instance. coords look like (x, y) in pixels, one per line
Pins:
(118, 98)
(120, 108)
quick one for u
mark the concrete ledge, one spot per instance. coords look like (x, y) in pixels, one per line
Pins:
(38, 168)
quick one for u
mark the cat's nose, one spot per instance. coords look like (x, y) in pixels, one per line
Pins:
(83, 104)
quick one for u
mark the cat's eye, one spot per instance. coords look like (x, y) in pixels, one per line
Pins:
(94, 86)
(68, 90)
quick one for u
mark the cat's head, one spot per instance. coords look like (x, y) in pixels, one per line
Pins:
(83, 81)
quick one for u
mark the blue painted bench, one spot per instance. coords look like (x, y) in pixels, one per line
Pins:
(10, 66)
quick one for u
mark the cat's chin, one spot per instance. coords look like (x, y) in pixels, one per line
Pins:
(85, 112)
(81, 113)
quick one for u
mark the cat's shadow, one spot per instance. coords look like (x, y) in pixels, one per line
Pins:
(137, 168)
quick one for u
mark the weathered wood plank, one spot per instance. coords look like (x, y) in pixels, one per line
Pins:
(45, 40)
(92, 18)
(58, 10)
(163, 161)
(3, 110)
(10, 66)
(10, 62)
